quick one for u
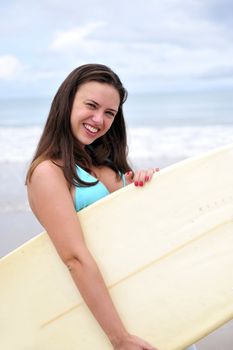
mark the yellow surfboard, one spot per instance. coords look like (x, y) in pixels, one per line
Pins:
(165, 251)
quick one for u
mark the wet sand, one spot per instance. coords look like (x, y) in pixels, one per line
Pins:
(221, 339)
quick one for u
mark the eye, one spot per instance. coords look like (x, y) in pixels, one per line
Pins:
(91, 105)
(110, 114)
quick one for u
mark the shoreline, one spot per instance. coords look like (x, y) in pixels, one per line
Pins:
(17, 228)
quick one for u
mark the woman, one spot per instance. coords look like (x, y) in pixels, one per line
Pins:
(82, 157)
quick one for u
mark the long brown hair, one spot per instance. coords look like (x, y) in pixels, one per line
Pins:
(58, 143)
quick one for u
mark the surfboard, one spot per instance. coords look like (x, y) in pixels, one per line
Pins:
(165, 251)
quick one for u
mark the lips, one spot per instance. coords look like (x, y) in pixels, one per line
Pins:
(91, 128)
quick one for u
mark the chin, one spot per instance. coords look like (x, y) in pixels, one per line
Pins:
(86, 142)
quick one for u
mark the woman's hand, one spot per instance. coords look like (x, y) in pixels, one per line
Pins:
(131, 342)
(140, 177)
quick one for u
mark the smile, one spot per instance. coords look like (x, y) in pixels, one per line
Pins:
(90, 128)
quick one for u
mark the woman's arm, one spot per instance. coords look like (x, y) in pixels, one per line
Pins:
(51, 201)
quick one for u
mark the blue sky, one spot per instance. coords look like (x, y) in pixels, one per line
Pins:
(154, 45)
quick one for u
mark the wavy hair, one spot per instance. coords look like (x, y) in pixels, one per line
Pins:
(57, 142)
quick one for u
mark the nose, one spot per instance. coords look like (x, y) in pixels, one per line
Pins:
(98, 118)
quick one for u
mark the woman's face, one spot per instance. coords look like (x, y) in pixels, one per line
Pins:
(94, 109)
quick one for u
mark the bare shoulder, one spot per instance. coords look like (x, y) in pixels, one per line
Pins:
(47, 168)
(47, 185)
(47, 175)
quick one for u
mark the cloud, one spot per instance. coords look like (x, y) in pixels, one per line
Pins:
(172, 41)
(76, 37)
(164, 42)
(219, 72)
(9, 66)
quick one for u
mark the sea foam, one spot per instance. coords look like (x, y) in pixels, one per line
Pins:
(18, 144)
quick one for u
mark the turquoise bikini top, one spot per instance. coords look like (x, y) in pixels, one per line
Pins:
(85, 196)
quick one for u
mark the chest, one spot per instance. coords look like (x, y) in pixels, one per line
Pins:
(108, 177)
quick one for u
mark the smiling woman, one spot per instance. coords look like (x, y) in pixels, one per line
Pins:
(81, 158)
(94, 108)
(87, 110)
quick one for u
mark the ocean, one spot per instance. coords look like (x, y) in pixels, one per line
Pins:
(160, 125)
(163, 128)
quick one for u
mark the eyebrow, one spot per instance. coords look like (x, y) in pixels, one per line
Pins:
(96, 103)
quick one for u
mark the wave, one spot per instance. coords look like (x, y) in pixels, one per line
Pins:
(18, 144)
(149, 146)
(177, 142)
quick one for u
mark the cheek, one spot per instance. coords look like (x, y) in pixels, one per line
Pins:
(108, 123)
(75, 118)
(72, 123)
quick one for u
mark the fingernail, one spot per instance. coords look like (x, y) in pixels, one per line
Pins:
(136, 183)
(140, 183)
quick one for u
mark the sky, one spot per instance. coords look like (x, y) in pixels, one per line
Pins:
(153, 45)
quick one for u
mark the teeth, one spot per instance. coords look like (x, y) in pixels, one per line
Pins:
(90, 128)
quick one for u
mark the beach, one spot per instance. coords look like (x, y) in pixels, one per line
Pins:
(153, 142)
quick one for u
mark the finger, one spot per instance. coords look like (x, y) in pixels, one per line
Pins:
(150, 347)
(149, 175)
(143, 176)
(147, 346)
(144, 344)
(129, 177)
(139, 178)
